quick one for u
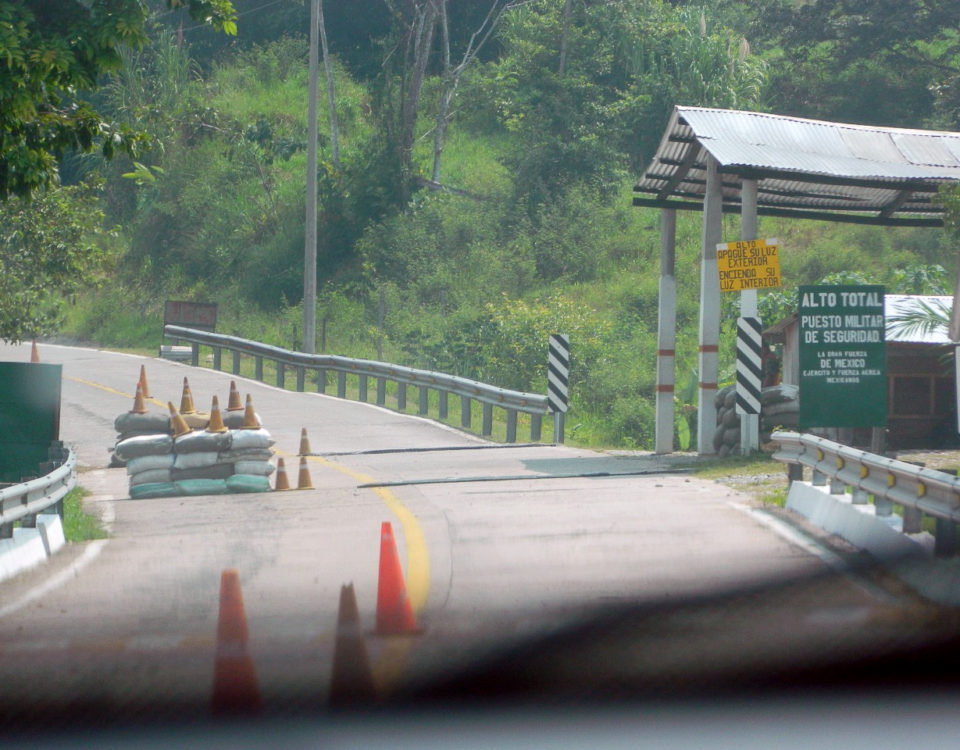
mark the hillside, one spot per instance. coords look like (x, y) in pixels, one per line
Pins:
(532, 230)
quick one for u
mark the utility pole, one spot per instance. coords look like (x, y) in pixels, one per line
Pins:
(310, 235)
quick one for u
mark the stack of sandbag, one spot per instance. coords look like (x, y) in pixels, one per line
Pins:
(138, 424)
(726, 439)
(213, 461)
(780, 409)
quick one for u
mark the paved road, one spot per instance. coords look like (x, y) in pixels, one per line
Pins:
(127, 625)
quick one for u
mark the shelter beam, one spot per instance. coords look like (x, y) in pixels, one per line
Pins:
(709, 336)
(666, 333)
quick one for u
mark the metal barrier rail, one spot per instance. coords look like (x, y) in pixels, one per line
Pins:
(919, 490)
(22, 502)
(513, 402)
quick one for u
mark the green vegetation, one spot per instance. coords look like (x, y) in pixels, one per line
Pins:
(79, 526)
(474, 209)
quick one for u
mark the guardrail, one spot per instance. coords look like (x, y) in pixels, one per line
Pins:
(22, 502)
(489, 396)
(918, 490)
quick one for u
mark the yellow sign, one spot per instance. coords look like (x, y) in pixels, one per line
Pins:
(754, 264)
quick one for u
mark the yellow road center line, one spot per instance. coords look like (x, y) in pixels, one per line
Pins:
(108, 389)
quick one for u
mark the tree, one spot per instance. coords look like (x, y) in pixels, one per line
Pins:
(49, 248)
(50, 52)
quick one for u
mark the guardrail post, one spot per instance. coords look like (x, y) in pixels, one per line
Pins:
(945, 538)
(860, 497)
(558, 427)
(195, 354)
(912, 521)
(442, 403)
(321, 381)
(6, 531)
(258, 368)
(511, 425)
(236, 362)
(536, 427)
(217, 357)
(381, 391)
(281, 374)
(401, 396)
(362, 387)
(794, 473)
(341, 385)
(883, 506)
(487, 428)
(301, 378)
(818, 479)
(837, 486)
(464, 411)
(424, 400)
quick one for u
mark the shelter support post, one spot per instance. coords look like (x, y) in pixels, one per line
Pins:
(709, 310)
(666, 332)
(749, 423)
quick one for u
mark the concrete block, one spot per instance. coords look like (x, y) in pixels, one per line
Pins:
(856, 523)
(51, 531)
(23, 551)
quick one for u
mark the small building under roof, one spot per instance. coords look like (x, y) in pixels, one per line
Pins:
(763, 164)
(921, 389)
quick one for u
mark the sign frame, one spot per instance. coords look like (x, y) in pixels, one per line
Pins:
(748, 265)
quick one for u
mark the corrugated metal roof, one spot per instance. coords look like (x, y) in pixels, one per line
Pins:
(822, 169)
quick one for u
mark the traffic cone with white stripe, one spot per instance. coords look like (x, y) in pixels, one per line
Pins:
(250, 420)
(304, 443)
(235, 688)
(281, 482)
(233, 402)
(303, 479)
(177, 423)
(186, 399)
(143, 381)
(394, 612)
(351, 682)
(139, 405)
(216, 419)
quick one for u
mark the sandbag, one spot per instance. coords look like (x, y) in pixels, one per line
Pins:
(197, 421)
(218, 471)
(160, 489)
(150, 423)
(234, 419)
(731, 436)
(145, 445)
(251, 454)
(195, 460)
(247, 439)
(146, 463)
(783, 407)
(720, 398)
(194, 487)
(151, 476)
(730, 418)
(776, 394)
(197, 442)
(127, 435)
(730, 398)
(259, 468)
(239, 483)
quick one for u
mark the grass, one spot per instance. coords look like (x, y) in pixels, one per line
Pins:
(759, 476)
(79, 526)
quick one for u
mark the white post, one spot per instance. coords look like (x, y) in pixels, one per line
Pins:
(709, 310)
(666, 332)
(310, 234)
(749, 423)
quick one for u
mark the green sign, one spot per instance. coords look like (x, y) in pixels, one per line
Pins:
(29, 416)
(843, 358)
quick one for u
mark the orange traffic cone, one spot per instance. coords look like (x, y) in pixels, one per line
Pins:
(303, 480)
(177, 422)
(352, 679)
(34, 354)
(139, 405)
(250, 421)
(235, 689)
(233, 402)
(143, 381)
(281, 482)
(216, 418)
(394, 613)
(186, 400)
(304, 443)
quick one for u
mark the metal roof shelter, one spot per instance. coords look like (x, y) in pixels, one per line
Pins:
(754, 164)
